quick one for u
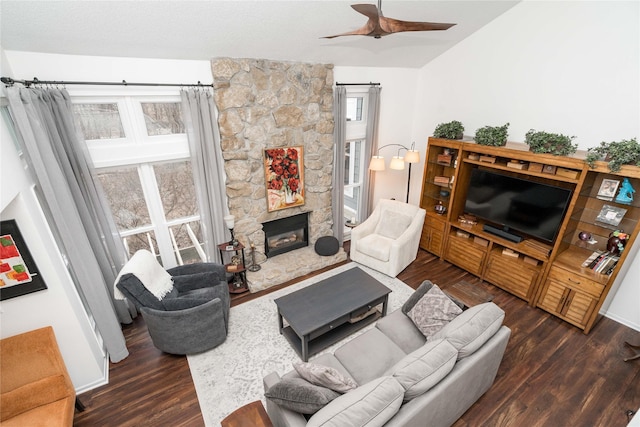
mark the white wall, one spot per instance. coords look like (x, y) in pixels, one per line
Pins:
(566, 67)
(397, 99)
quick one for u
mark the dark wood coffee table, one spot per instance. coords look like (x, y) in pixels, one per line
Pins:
(323, 313)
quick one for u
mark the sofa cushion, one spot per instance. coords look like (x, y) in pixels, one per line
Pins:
(325, 376)
(470, 330)
(434, 310)
(370, 405)
(299, 395)
(392, 224)
(424, 368)
(381, 352)
(375, 246)
(401, 330)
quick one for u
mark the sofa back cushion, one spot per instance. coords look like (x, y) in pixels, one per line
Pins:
(471, 329)
(417, 372)
(370, 405)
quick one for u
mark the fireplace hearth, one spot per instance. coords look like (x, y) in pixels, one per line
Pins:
(286, 234)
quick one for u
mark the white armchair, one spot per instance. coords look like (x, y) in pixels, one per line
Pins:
(388, 240)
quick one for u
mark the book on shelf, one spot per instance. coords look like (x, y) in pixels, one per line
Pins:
(601, 262)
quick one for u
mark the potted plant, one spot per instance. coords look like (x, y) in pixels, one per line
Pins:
(495, 136)
(551, 143)
(450, 130)
(616, 153)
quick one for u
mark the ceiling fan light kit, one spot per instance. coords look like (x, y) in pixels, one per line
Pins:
(378, 25)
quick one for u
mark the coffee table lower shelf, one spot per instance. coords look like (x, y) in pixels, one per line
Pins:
(328, 338)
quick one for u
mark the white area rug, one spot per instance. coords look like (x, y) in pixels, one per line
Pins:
(230, 375)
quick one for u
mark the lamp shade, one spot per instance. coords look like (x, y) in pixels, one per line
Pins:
(229, 220)
(397, 163)
(377, 163)
(412, 156)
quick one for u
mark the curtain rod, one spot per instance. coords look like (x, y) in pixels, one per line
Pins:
(10, 82)
(357, 84)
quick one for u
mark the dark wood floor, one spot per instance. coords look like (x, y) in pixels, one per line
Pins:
(552, 374)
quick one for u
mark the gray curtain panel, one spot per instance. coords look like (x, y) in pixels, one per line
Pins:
(207, 165)
(339, 141)
(72, 200)
(371, 147)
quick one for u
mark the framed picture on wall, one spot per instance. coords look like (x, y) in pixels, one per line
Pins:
(19, 274)
(284, 177)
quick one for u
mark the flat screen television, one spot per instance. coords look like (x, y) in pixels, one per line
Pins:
(514, 206)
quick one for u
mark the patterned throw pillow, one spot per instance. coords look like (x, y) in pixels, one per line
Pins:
(325, 376)
(434, 310)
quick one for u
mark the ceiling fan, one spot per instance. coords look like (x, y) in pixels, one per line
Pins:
(378, 25)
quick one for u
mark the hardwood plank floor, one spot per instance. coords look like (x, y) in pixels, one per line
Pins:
(551, 375)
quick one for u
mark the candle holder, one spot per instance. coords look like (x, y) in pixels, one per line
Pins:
(253, 266)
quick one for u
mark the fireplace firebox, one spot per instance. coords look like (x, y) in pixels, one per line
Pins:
(286, 234)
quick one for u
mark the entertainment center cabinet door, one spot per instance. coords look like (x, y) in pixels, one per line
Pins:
(570, 297)
(512, 275)
(432, 238)
(466, 254)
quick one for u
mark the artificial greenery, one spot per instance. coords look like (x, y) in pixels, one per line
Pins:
(551, 143)
(616, 153)
(495, 136)
(450, 130)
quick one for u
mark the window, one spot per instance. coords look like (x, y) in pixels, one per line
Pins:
(354, 149)
(140, 150)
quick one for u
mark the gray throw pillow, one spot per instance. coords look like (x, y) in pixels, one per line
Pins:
(325, 376)
(434, 310)
(300, 395)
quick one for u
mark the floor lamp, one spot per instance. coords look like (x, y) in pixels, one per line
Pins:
(397, 162)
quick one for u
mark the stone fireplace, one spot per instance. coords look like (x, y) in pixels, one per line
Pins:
(265, 104)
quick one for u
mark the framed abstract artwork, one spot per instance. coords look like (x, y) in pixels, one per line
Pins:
(284, 177)
(19, 274)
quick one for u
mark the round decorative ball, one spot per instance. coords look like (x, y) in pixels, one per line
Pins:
(327, 246)
(444, 193)
(584, 236)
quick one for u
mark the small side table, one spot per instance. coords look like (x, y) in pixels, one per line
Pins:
(468, 294)
(238, 282)
(250, 415)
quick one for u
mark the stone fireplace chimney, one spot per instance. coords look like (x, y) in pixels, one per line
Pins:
(265, 104)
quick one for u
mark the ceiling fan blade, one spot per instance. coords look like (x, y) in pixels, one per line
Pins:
(368, 10)
(371, 28)
(364, 31)
(391, 25)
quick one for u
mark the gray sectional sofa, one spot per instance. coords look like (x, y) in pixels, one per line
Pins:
(402, 378)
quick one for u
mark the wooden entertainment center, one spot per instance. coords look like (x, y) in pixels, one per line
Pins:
(549, 276)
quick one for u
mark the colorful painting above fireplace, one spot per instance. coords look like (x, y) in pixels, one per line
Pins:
(284, 177)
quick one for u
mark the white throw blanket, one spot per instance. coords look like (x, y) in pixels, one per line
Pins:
(145, 267)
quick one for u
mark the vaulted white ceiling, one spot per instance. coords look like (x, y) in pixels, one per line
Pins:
(200, 30)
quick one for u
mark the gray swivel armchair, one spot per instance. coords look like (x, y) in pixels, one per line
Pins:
(193, 317)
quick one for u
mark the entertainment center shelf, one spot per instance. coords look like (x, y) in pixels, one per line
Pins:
(565, 195)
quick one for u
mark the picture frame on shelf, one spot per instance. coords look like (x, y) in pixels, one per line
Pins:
(611, 215)
(608, 189)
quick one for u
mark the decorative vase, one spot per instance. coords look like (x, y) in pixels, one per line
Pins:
(288, 197)
(617, 241)
(440, 208)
